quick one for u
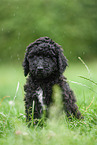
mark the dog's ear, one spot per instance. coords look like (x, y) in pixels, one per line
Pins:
(62, 61)
(26, 64)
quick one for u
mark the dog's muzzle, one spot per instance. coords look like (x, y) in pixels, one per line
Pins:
(40, 71)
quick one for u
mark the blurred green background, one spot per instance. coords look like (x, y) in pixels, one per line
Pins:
(71, 23)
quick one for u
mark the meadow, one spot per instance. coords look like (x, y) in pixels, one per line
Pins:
(58, 129)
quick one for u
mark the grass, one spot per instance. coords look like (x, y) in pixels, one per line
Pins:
(57, 130)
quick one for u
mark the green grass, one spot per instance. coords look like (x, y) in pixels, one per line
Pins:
(57, 130)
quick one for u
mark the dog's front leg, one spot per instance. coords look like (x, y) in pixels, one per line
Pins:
(28, 109)
(69, 101)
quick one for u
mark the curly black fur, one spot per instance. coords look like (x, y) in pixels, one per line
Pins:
(45, 63)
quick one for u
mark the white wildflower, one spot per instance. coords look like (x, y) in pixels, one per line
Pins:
(11, 103)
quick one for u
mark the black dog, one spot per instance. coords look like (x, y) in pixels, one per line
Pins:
(45, 63)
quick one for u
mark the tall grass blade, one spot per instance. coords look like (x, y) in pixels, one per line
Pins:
(88, 80)
(82, 85)
(33, 106)
(85, 65)
(16, 90)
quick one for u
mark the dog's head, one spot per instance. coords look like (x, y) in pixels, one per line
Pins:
(43, 58)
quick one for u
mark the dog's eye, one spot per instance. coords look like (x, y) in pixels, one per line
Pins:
(32, 56)
(48, 56)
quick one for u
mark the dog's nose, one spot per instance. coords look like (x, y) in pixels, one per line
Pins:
(40, 68)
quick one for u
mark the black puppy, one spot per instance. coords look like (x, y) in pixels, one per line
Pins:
(45, 63)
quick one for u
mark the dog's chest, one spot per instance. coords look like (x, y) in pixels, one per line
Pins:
(44, 95)
(40, 97)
